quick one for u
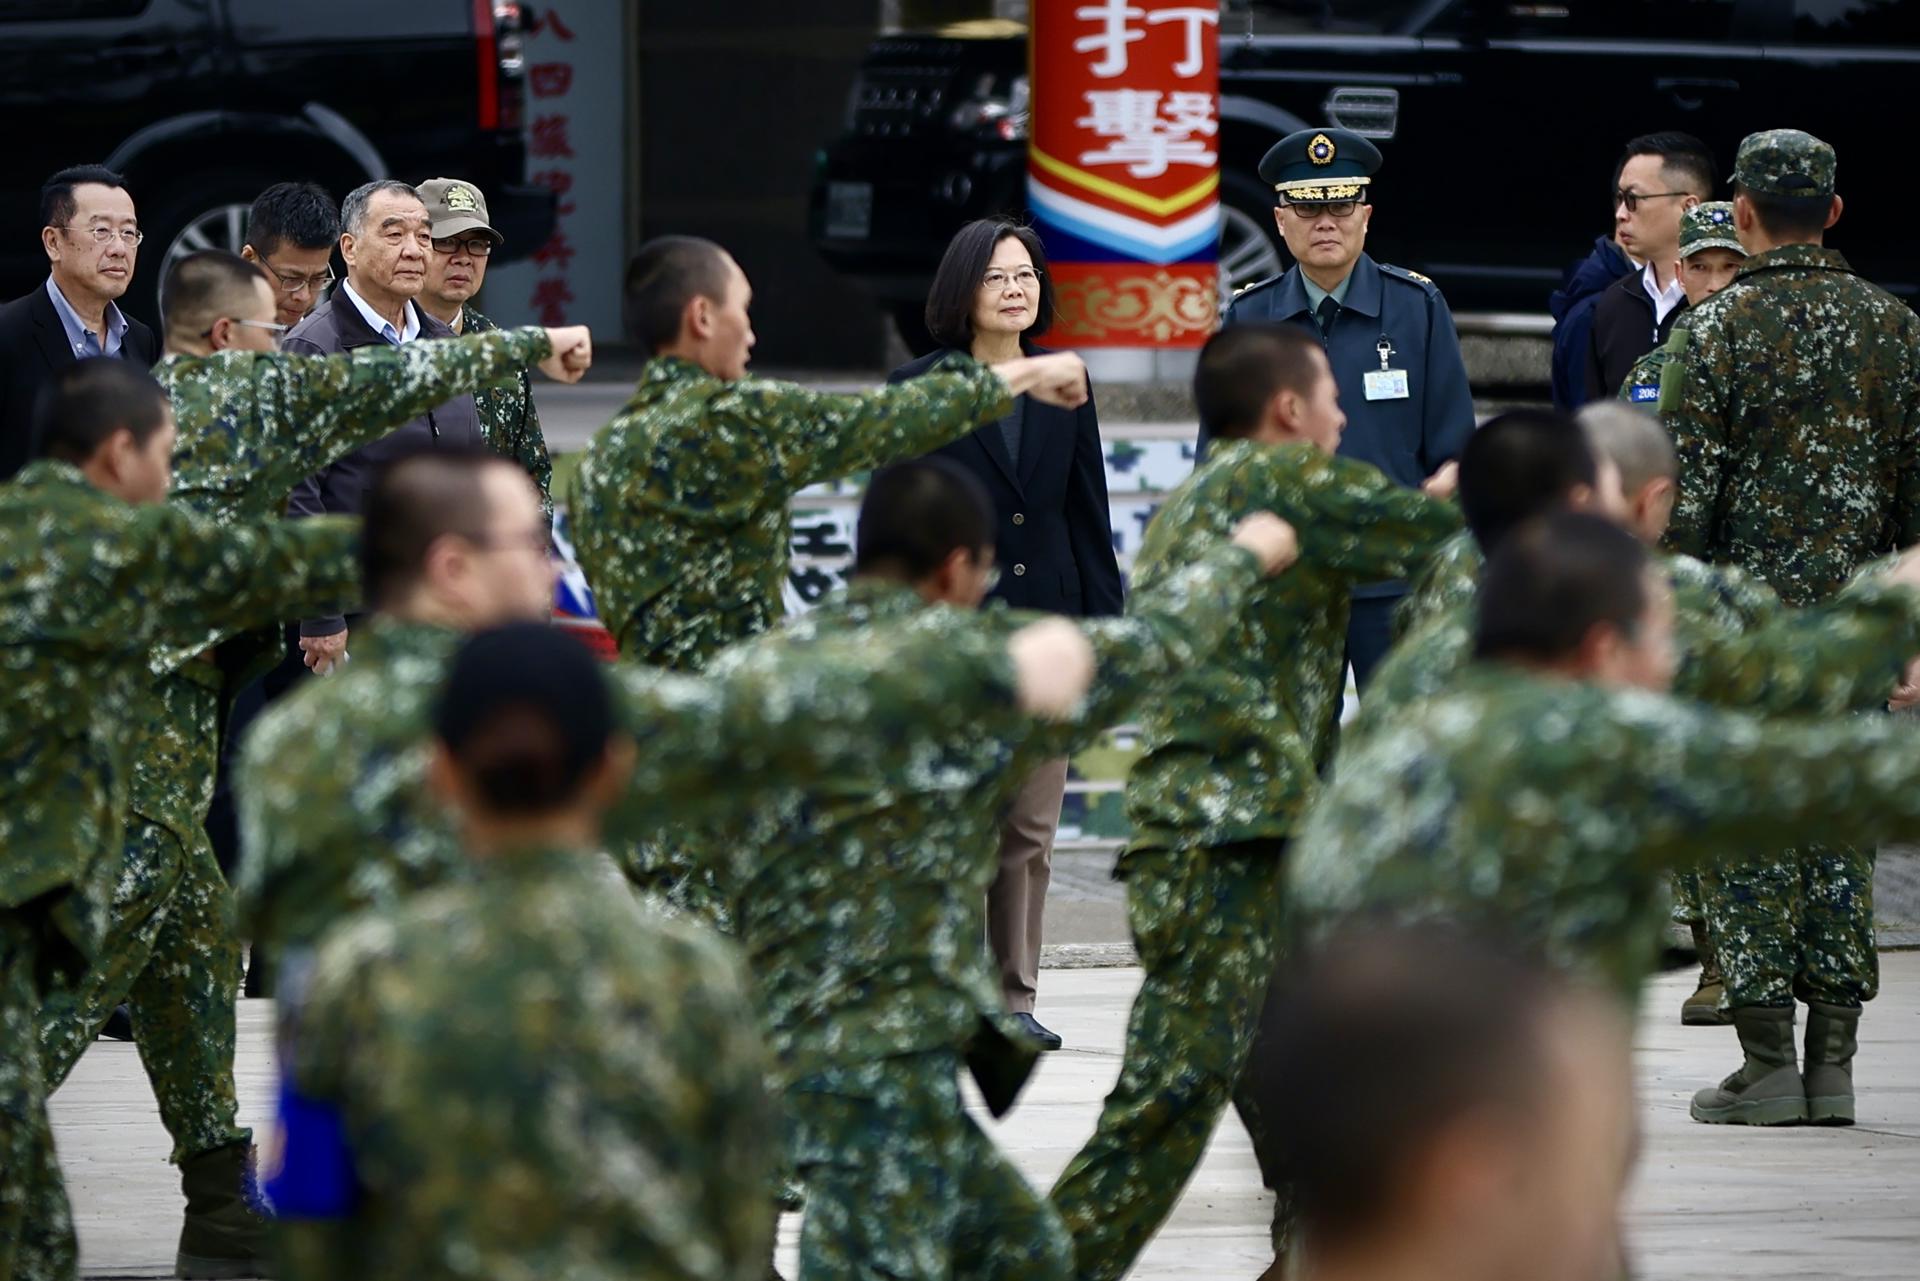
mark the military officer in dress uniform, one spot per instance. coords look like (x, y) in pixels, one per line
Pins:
(1387, 331)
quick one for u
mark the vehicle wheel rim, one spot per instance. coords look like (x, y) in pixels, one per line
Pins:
(1247, 253)
(222, 227)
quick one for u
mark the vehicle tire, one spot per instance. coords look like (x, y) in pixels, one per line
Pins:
(192, 214)
(910, 319)
(1250, 246)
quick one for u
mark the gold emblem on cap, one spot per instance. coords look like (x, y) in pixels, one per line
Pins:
(1320, 149)
(461, 199)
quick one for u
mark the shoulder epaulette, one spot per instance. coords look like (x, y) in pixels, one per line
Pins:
(1411, 277)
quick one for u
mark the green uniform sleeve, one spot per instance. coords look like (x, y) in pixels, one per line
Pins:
(314, 409)
(1363, 525)
(769, 719)
(1843, 656)
(191, 575)
(1169, 627)
(1693, 405)
(825, 435)
(1704, 781)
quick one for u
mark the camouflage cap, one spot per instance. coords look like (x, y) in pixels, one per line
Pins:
(1709, 226)
(1784, 162)
(454, 207)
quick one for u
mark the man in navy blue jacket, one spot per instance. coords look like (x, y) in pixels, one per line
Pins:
(1387, 333)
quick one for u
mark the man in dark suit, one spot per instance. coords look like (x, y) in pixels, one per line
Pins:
(385, 238)
(92, 239)
(1046, 471)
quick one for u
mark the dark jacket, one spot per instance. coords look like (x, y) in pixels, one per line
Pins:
(32, 347)
(1572, 307)
(1623, 331)
(1054, 547)
(336, 325)
(1409, 437)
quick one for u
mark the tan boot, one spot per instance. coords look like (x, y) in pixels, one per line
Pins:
(1833, 1034)
(1702, 1009)
(1767, 1090)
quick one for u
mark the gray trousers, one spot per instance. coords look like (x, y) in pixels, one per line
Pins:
(1017, 899)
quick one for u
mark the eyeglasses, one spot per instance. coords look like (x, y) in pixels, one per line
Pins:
(478, 246)
(131, 237)
(1632, 199)
(277, 330)
(1308, 210)
(1025, 277)
(292, 282)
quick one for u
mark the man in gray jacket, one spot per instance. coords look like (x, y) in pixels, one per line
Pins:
(385, 240)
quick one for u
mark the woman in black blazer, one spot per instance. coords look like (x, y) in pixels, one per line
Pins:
(1046, 471)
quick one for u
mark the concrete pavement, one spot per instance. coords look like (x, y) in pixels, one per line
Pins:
(1707, 1201)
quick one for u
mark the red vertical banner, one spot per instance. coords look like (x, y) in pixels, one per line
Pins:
(1123, 167)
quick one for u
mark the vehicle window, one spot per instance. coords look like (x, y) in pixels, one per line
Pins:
(1599, 19)
(46, 10)
(1334, 17)
(1856, 21)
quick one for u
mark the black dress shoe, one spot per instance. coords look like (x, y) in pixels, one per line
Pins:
(119, 1025)
(1048, 1040)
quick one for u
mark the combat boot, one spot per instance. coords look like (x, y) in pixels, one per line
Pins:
(1702, 1009)
(225, 1234)
(1767, 1089)
(1833, 1034)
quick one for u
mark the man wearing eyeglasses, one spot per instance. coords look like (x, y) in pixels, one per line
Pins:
(1386, 330)
(291, 231)
(92, 238)
(463, 240)
(1663, 176)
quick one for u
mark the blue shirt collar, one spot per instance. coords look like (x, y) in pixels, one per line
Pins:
(380, 324)
(83, 341)
(1362, 287)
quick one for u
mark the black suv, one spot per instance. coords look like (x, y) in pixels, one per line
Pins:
(202, 103)
(1499, 121)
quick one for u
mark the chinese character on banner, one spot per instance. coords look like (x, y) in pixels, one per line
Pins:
(1123, 167)
(550, 75)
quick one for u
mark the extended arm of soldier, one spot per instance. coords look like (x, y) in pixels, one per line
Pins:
(191, 575)
(767, 718)
(1175, 624)
(1693, 404)
(337, 403)
(1707, 782)
(824, 435)
(1361, 524)
(1825, 659)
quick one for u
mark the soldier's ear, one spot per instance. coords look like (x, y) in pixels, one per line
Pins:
(1834, 211)
(608, 779)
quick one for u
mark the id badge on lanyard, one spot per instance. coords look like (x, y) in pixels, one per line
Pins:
(1385, 383)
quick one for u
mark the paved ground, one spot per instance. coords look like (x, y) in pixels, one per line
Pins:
(1707, 1202)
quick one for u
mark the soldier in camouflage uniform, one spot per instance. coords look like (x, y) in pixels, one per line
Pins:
(94, 572)
(1545, 795)
(1739, 648)
(530, 1076)
(1710, 257)
(1233, 753)
(1795, 405)
(334, 820)
(862, 917)
(252, 424)
(1524, 462)
(463, 241)
(680, 510)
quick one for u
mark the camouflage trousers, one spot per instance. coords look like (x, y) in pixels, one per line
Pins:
(903, 1185)
(36, 1224)
(173, 955)
(1205, 924)
(1799, 924)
